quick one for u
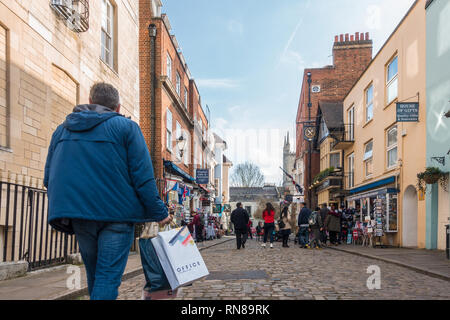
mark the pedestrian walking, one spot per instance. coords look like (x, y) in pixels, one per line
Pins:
(259, 231)
(100, 183)
(333, 224)
(285, 226)
(323, 215)
(196, 225)
(240, 218)
(269, 224)
(315, 228)
(303, 224)
(249, 229)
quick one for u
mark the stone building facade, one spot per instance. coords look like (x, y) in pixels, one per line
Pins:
(47, 66)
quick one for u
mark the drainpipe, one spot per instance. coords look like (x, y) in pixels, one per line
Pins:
(152, 33)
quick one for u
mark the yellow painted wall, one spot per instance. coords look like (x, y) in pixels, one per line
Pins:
(408, 42)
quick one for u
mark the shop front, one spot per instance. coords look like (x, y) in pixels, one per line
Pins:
(376, 208)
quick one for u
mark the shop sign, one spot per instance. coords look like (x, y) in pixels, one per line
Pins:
(408, 112)
(217, 208)
(309, 133)
(202, 176)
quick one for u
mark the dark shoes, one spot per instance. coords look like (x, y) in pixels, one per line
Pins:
(159, 295)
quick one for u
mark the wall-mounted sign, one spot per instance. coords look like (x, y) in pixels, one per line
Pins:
(408, 112)
(202, 176)
(309, 133)
(315, 89)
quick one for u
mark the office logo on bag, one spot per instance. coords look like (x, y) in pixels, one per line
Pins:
(183, 236)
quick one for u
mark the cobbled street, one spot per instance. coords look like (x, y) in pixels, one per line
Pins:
(297, 274)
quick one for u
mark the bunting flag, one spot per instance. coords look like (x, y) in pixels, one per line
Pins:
(297, 186)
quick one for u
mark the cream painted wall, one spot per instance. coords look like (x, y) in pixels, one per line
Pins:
(409, 44)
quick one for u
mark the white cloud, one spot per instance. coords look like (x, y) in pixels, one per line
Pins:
(233, 109)
(218, 83)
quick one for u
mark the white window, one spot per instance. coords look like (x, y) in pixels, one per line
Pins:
(178, 84)
(169, 130)
(169, 67)
(185, 97)
(392, 147)
(351, 124)
(177, 137)
(335, 160)
(368, 158)
(351, 170)
(369, 103)
(186, 151)
(107, 33)
(392, 80)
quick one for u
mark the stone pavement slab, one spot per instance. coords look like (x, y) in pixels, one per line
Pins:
(51, 283)
(299, 274)
(430, 262)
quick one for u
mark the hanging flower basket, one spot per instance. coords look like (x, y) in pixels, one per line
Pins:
(431, 176)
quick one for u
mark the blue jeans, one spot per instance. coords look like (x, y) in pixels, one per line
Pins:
(303, 236)
(104, 248)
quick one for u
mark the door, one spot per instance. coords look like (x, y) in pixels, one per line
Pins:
(409, 228)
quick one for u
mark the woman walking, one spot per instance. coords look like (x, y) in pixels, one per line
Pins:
(269, 224)
(285, 226)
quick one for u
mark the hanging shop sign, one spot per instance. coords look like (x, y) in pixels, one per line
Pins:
(408, 112)
(309, 133)
(202, 176)
(217, 208)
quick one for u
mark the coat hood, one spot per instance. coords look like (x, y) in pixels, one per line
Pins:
(88, 116)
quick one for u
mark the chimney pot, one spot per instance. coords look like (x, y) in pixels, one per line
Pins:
(367, 36)
(346, 37)
(336, 39)
(352, 38)
(357, 36)
(342, 38)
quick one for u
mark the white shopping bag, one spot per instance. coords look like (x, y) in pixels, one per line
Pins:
(179, 257)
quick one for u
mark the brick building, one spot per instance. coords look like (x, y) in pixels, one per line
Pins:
(48, 63)
(172, 119)
(351, 55)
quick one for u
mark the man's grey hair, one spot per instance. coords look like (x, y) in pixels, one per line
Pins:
(105, 94)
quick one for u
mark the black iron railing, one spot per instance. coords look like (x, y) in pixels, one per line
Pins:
(24, 231)
(345, 133)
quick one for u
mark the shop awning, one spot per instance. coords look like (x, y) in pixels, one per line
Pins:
(174, 169)
(372, 193)
(373, 185)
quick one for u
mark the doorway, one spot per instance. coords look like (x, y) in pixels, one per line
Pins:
(409, 229)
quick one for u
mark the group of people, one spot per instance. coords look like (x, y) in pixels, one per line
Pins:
(314, 228)
(202, 230)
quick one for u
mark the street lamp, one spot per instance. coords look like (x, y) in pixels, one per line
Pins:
(181, 143)
(310, 142)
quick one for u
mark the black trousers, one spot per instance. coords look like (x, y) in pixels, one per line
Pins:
(285, 236)
(334, 237)
(241, 237)
(268, 232)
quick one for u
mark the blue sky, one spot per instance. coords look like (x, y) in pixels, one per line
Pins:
(248, 56)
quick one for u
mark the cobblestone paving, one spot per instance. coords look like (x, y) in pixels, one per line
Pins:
(300, 274)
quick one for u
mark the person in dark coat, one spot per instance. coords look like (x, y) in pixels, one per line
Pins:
(100, 182)
(323, 215)
(240, 218)
(303, 224)
(333, 224)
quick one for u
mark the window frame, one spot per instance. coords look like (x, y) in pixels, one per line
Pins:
(351, 122)
(169, 66)
(169, 130)
(339, 162)
(368, 160)
(369, 103)
(186, 95)
(390, 82)
(392, 147)
(178, 83)
(351, 170)
(111, 23)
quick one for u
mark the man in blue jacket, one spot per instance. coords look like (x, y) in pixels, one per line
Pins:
(100, 182)
(303, 224)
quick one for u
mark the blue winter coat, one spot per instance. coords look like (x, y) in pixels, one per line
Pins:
(99, 168)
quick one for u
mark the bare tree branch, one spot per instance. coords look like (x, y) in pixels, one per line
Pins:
(247, 175)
